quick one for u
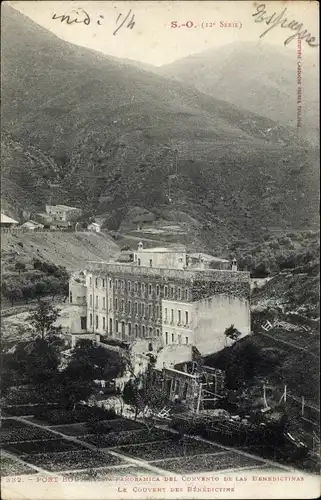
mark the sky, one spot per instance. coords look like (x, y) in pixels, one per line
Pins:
(152, 40)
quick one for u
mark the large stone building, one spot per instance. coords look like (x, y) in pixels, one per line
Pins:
(166, 295)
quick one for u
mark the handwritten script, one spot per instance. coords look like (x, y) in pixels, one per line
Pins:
(272, 21)
(80, 16)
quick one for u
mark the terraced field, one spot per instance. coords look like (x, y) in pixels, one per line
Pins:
(125, 449)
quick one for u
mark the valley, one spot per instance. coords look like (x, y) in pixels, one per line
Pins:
(114, 129)
(202, 337)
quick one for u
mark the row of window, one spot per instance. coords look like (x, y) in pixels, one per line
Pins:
(120, 327)
(169, 291)
(142, 309)
(104, 302)
(170, 318)
(99, 282)
(175, 339)
(137, 287)
(137, 308)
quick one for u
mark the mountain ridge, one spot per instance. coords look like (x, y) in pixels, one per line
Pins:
(258, 77)
(109, 130)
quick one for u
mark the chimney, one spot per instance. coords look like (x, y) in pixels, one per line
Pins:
(234, 265)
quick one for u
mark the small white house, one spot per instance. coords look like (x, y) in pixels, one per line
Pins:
(94, 226)
(32, 225)
(8, 222)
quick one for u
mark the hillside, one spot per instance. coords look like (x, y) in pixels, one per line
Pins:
(295, 290)
(277, 252)
(36, 265)
(293, 263)
(25, 172)
(257, 77)
(51, 247)
(100, 134)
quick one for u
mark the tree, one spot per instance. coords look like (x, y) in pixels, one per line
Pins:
(28, 291)
(20, 266)
(232, 333)
(54, 286)
(41, 362)
(74, 384)
(106, 364)
(32, 362)
(43, 318)
(41, 289)
(14, 295)
(144, 397)
(142, 393)
(262, 270)
(80, 370)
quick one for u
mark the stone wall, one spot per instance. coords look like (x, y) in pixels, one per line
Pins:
(202, 289)
(183, 275)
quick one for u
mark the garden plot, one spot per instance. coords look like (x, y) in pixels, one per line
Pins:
(12, 433)
(81, 414)
(112, 474)
(81, 429)
(208, 463)
(168, 449)
(72, 460)
(126, 438)
(9, 423)
(11, 467)
(36, 447)
(23, 410)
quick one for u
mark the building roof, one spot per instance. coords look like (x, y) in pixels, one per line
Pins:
(31, 223)
(186, 273)
(44, 214)
(163, 250)
(7, 220)
(94, 224)
(65, 207)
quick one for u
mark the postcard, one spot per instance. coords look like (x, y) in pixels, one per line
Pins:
(160, 250)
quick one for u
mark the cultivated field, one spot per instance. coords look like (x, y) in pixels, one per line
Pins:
(126, 448)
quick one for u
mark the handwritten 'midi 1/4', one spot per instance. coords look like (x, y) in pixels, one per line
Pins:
(84, 18)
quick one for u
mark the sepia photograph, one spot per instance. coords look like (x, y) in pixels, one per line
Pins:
(160, 250)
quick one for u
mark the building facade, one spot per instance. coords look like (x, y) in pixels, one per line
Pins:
(94, 226)
(162, 296)
(63, 212)
(78, 303)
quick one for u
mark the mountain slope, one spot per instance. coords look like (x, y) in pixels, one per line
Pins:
(107, 131)
(51, 247)
(255, 76)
